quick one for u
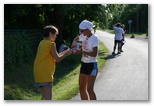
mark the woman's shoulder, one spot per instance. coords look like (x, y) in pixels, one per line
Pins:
(94, 36)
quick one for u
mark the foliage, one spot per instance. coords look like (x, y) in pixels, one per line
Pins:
(138, 13)
(114, 12)
(64, 16)
(22, 16)
(67, 16)
(17, 50)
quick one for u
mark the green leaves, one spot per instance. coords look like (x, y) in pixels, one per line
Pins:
(17, 50)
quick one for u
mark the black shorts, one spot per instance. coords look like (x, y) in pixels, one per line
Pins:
(89, 68)
(117, 41)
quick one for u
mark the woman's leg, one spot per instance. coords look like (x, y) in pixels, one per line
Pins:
(90, 87)
(46, 92)
(83, 78)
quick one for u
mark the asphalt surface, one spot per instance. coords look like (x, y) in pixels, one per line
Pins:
(125, 76)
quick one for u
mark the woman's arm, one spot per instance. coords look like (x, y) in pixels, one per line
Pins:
(92, 54)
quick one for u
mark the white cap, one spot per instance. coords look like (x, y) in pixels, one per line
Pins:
(86, 25)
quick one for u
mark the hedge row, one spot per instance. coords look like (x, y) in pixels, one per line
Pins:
(17, 50)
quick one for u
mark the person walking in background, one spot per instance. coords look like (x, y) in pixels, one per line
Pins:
(44, 64)
(123, 37)
(118, 37)
(88, 70)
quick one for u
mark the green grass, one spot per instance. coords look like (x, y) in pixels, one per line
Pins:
(136, 34)
(19, 83)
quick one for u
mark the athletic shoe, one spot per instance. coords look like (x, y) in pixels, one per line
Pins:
(119, 53)
(113, 52)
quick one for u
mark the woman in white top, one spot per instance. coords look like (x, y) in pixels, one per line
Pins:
(88, 70)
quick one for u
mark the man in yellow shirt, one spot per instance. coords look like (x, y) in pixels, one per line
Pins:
(44, 64)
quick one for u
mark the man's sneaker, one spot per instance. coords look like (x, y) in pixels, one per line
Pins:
(121, 51)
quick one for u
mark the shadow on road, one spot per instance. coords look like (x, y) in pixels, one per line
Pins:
(112, 56)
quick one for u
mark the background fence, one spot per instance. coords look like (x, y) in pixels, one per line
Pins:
(35, 35)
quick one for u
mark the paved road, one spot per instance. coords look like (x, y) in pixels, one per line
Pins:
(125, 76)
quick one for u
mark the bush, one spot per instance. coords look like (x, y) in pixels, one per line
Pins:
(17, 50)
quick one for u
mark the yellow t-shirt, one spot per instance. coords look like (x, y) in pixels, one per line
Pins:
(44, 64)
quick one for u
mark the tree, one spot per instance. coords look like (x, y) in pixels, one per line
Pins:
(22, 16)
(114, 12)
(138, 13)
(66, 17)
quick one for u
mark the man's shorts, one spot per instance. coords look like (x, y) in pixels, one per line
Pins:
(117, 41)
(89, 68)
